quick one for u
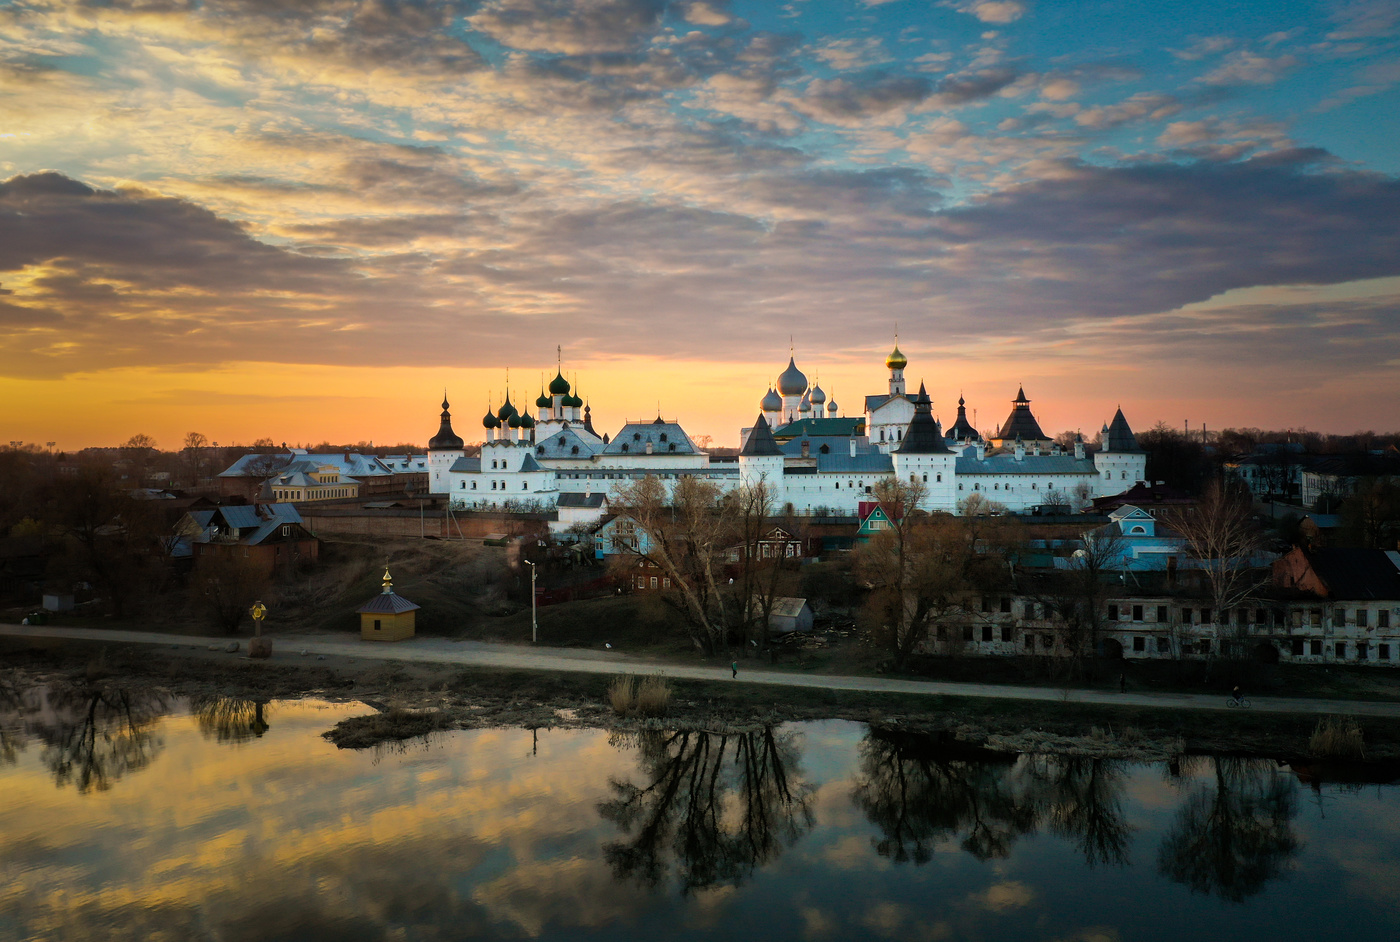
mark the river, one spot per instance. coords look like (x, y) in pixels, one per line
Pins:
(133, 816)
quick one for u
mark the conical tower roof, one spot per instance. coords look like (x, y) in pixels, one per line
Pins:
(1119, 436)
(761, 443)
(1021, 423)
(923, 437)
(962, 430)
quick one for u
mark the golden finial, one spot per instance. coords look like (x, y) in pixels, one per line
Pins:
(388, 582)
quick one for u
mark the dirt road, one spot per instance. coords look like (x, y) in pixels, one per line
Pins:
(288, 648)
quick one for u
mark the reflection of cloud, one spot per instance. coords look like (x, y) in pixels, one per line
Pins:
(1003, 896)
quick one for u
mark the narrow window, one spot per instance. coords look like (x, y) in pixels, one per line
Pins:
(1139, 644)
(1113, 613)
(1161, 613)
(1361, 618)
(1383, 652)
(967, 632)
(1164, 645)
(1341, 650)
(1006, 606)
(1137, 613)
(1383, 618)
(1006, 633)
(1297, 647)
(1315, 648)
(986, 632)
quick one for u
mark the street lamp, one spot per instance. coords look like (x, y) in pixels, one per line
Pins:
(534, 620)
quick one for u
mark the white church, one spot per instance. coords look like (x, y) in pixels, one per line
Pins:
(814, 460)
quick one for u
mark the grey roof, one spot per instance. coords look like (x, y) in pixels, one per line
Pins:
(842, 443)
(563, 442)
(869, 463)
(634, 436)
(874, 402)
(243, 516)
(967, 463)
(354, 465)
(387, 603)
(786, 607)
(846, 427)
(923, 436)
(530, 464)
(594, 500)
(760, 443)
(1120, 437)
(466, 465)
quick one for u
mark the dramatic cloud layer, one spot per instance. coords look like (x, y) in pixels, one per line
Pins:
(433, 187)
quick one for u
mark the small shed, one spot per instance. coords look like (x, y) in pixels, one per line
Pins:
(789, 615)
(388, 616)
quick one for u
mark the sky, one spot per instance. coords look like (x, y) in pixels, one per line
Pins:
(305, 221)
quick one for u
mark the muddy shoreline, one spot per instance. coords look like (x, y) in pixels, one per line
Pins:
(407, 700)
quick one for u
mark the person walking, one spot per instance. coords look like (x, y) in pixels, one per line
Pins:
(735, 668)
(1122, 683)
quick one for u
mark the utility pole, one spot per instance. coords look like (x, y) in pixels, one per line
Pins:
(534, 620)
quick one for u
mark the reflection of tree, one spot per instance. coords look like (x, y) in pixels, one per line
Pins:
(230, 719)
(920, 791)
(100, 733)
(12, 737)
(1085, 805)
(717, 807)
(1234, 839)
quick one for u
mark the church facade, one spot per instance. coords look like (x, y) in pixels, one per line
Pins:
(813, 459)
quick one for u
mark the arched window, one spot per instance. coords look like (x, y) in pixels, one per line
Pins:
(524, 485)
(672, 446)
(663, 438)
(539, 450)
(825, 449)
(939, 477)
(1139, 530)
(624, 448)
(925, 478)
(574, 450)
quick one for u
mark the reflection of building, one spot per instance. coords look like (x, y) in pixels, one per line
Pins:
(812, 460)
(388, 616)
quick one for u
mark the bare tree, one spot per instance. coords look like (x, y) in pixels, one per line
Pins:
(759, 576)
(262, 468)
(228, 586)
(196, 455)
(686, 538)
(925, 571)
(1223, 538)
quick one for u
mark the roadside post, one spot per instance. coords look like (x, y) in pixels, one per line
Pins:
(534, 620)
(259, 646)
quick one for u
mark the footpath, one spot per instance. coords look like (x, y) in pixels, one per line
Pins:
(288, 648)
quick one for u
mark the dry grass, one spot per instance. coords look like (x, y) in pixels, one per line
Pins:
(359, 732)
(646, 696)
(1337, 737)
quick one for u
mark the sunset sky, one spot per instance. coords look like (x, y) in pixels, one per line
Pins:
(303, 220)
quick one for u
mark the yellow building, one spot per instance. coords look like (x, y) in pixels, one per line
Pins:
(322, 483)
(387, 616)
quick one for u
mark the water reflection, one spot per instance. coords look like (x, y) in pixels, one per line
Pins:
(1232, 835)
(95, 734)
(231, 719)
(713, 807)
(922, 791)
(1085, 805)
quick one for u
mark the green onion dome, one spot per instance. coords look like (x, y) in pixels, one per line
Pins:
(506, 410)
(490, 421)
(543, 402)
(559, 386)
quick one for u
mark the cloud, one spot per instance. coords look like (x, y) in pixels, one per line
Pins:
(1247, 68)
(1204, 47)
(707, 12)
(862, 97)
(1365, 19)
(1152, 106)
(565, 26)
(843, 55)
(990, 11)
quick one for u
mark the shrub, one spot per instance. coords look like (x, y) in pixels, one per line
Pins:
(649, 696)
(1337, 737)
